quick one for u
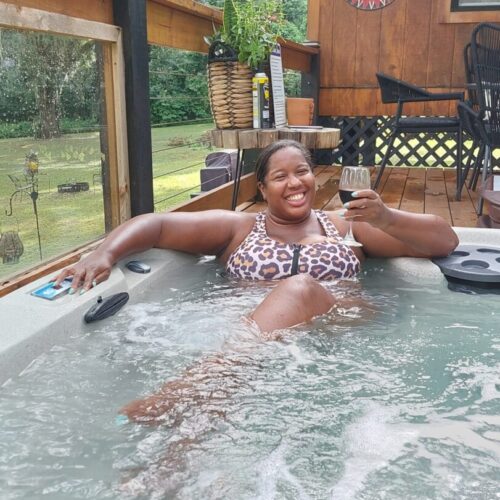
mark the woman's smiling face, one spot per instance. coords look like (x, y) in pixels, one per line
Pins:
(289, 185)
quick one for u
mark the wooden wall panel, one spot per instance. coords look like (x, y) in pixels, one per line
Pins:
(441, 48)
(344, 43)
(326, 61)
(392, 39)
(418, 15)
(366, 60)
(313, 19)
(408, 39)
(462, 37)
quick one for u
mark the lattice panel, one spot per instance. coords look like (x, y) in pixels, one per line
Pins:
(365, 139)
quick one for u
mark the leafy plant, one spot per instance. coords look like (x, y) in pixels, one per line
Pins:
(251, 27)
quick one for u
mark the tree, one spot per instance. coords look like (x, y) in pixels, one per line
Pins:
(47, 63)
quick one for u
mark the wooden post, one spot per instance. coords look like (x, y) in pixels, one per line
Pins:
(310, 85)
(131, 16)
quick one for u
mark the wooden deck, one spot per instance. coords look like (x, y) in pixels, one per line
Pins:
(420, 190)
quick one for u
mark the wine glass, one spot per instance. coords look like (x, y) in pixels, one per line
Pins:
(352, 179)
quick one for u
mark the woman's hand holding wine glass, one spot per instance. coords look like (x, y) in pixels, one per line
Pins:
(352, 179)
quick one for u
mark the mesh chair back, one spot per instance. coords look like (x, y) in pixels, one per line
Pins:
(485, 47)
(472, 96)
(393, 90)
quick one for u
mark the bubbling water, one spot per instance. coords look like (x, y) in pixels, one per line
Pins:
(401, 404)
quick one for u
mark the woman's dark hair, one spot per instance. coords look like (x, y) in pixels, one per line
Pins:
(262, 164)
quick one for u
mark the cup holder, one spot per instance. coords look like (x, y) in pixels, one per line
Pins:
(488, 250)
(472, 264)
(459, 253)
(475, 264)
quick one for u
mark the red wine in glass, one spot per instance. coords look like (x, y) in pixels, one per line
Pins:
(346, 195)
(352, 179)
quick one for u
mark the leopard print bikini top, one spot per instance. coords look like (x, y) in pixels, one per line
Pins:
(259, 257)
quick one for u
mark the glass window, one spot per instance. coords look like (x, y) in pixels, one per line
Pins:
(53, 147)
(462, 5)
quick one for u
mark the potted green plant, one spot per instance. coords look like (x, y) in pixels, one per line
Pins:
(249, 32)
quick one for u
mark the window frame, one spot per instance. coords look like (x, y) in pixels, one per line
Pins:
(447, 16)
(26, 18)
(456, 7)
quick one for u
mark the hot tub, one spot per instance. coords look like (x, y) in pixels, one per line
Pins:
(403, 404)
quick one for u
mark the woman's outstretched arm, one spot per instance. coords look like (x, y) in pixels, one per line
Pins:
(208, 232)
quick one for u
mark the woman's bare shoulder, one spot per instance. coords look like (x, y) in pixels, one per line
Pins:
(245, 222)
(334, 216)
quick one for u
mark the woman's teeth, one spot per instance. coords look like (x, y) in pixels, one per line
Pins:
(295, 197)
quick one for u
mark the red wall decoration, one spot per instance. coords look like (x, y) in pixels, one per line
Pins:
(369, 4)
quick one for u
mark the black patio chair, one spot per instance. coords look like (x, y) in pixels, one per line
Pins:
(401, 92)
(467, 122)
(485, 49)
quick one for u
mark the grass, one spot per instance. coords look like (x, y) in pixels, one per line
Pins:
(68, 220)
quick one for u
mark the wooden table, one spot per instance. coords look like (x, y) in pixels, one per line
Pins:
(241, 139)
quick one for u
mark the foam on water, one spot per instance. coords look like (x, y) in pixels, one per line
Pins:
(371, 442)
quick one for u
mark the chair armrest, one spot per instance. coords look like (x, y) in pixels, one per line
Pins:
(472, 121)
(453, 96)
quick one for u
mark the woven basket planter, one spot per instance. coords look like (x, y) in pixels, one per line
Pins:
(230, 88)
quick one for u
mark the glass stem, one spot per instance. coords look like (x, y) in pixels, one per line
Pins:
(349, 234)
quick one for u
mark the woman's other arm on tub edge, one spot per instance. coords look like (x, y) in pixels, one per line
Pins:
(261, 246)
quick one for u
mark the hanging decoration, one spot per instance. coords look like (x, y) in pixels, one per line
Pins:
(11, 247)
(369, 4)
(31, 164)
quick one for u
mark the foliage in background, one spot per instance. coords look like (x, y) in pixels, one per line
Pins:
(55, 81)
(178, 86)
(44, 78)
(294, 25)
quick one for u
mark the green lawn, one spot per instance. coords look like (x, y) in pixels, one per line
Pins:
(71, 219)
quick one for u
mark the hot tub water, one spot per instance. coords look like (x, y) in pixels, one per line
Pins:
(403, 405)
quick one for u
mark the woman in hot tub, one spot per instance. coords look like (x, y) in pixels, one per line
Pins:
(290, 243)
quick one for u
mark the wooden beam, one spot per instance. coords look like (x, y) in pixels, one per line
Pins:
(116, 120)
(313, 17)
(296, 56)
(192, 7)
(18, 281)
(173, 27)
(221, 197)
(92, 10)
(48, 22)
